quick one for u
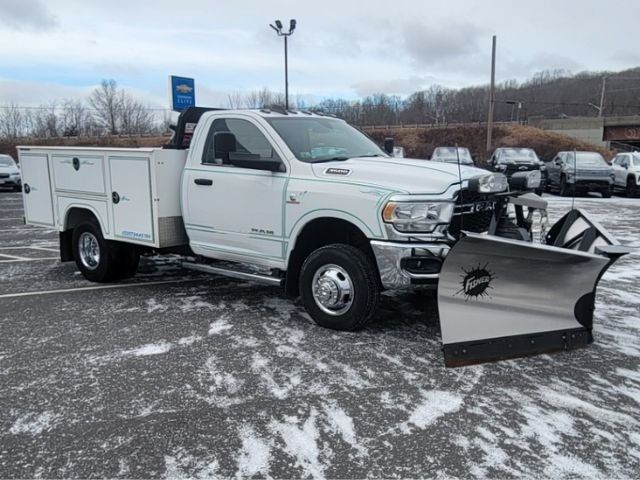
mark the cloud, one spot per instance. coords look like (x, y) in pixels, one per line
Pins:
(26, 15)
(398, 86)
(444, 42)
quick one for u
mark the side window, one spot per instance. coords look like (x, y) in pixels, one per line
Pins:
(249, 139)
(616, 160)
(625, 161)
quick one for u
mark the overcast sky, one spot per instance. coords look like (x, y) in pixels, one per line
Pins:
(63, 48)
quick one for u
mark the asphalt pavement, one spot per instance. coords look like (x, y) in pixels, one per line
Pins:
(174, 374)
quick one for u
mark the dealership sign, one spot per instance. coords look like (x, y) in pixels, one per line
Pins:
(183, 93)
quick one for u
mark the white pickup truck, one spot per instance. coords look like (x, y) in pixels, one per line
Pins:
(304, 201)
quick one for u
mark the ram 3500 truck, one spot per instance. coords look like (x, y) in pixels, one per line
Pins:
(307, 202)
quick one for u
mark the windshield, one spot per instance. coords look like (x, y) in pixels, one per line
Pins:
(315, 140)
(448, 155)
(509, 154)
(587, 159)
(6, 161)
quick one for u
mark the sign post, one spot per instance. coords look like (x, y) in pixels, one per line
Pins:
(182, 93)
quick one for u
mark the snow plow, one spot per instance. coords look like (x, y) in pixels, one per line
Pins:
(501, 295)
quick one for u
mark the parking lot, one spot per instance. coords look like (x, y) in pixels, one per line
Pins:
(179, 375)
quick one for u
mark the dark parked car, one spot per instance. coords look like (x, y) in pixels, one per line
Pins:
(513, 160)
(580, 172)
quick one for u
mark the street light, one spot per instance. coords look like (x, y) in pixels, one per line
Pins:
(278, 30)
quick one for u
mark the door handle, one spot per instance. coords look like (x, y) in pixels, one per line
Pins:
(203, 181)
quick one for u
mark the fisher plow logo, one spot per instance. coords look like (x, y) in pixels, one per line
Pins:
(476, 282)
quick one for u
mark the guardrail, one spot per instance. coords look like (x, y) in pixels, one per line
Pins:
(435, 125)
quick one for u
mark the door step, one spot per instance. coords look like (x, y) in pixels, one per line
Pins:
(232, 273)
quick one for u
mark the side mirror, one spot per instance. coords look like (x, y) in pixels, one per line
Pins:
(224, 143)
(388, 145)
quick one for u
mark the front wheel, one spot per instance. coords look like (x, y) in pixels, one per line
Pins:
(564, 188)
(632, 187)
(339, 287)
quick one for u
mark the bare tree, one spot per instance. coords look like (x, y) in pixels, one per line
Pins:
(75, 118)
(235, 100)
(43, 121)
(106, 100)
(12, 121)
(134, 117)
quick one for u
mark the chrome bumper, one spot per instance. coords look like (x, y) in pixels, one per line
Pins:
(390, 256)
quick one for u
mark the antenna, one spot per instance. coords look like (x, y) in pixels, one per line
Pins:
(460, 194)
(575, 179)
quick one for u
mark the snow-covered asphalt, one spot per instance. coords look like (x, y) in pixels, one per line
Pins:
(174, 375)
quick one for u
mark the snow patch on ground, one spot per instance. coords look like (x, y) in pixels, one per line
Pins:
(301, 442)
(254, 455)
(149, 349)
(219, 326)
(341, 423)
(182, 465)
(34, 424)
(434, 404)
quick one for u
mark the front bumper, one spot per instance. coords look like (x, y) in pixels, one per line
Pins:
(402, 265)
(591, 183)
(10, 182)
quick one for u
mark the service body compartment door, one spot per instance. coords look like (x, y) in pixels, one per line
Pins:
(81, 173)
(36, 189)
(131, 199)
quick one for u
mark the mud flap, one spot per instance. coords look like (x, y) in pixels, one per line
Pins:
(501, 298)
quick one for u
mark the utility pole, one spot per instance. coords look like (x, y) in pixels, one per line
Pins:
(492, 95)
(604, 85)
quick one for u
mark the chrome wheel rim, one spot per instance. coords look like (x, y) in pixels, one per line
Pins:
(332, 289)
(89, 250)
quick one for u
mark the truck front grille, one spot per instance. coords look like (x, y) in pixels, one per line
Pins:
(473, 213)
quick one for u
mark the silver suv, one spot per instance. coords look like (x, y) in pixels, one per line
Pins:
(626, 169)
(579, 172)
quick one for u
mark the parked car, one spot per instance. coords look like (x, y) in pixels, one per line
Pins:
(9, 173)
(510, 160)
(449, 155)
(626, 171)
(580, 172)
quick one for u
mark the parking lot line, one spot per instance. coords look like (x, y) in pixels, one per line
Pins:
(98, 287)
(12, 257)
(24, 259)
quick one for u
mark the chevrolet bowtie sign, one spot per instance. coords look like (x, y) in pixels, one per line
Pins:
(183, 93)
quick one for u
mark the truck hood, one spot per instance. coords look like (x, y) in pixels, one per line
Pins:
(408, 175)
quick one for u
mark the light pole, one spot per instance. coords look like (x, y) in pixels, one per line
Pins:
(278, 29)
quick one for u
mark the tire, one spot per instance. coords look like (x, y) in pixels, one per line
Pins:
(563, 190)
(632, 188)
(96, 268)
(606, 193)
(345, 265)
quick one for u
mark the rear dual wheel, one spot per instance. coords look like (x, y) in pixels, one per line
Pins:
(101, 260)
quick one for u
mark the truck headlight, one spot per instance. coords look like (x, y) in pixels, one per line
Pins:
(492, 183)
(418, 217)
